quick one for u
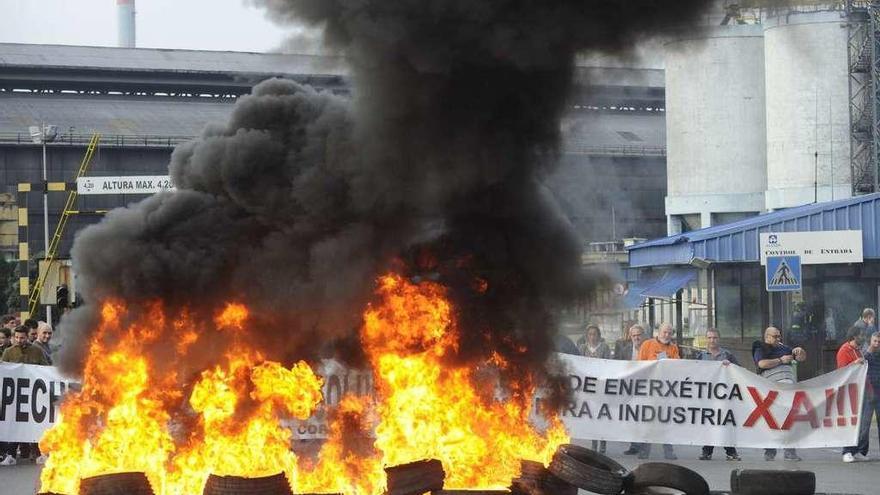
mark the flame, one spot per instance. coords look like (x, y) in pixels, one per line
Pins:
(429, 409)
(139, 412)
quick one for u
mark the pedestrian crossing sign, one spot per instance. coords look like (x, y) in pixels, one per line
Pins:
(783, 273)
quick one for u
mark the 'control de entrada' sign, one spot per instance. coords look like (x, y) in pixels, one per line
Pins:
(133, 184)
(814, 248)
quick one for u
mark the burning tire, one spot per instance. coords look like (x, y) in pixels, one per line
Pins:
(535, 479)
(662, 475)
(587, 469)
(116, 484)
(234, 485)
(772, 482)
(470, 492)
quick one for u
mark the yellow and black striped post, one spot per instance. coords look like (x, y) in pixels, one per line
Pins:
(24, 280)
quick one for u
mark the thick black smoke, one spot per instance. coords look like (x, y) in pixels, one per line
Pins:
(301, 200)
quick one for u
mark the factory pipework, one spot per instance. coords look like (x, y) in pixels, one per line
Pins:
(126, 24)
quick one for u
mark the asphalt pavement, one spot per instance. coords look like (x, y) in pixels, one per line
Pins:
(832, 475)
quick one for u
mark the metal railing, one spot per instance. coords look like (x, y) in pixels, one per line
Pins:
(110, 140)
(623, 150)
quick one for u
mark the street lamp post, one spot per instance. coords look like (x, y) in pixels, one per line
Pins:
(42, 135)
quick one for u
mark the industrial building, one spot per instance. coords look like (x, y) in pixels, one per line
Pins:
(143, 102)
(772, 127)
(769, 113)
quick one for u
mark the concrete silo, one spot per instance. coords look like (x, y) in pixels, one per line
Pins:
(715, 126)
(808, 135)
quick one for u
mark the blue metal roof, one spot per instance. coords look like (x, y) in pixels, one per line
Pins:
(737, 242)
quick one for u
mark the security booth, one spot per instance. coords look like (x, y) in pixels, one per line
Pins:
(808, 270)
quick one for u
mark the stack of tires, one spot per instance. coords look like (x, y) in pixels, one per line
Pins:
(597, 473)
(579, 467)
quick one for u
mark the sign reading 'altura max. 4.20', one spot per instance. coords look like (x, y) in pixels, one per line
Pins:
(133, 184)
(814, 248)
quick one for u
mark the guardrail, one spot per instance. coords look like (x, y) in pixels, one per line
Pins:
(107, 140)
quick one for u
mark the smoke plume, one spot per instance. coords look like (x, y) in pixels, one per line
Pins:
(435, 167)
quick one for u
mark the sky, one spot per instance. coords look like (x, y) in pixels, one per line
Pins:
(188, 24)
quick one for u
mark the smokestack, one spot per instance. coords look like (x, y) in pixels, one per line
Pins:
(125, 11)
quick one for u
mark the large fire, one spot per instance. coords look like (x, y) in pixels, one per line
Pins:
(127, 416)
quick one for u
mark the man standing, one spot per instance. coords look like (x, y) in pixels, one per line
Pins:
(660, 347)
(773, 359)
(22, 351)
(866, 322)
(32, 325)
(714, 352)
(871, 407)
(44, 335)
(630, 352)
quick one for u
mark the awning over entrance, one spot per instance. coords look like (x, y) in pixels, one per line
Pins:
(738, 241)
(671, 281)
(663, 284)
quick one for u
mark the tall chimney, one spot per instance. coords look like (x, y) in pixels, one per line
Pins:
(126, 24)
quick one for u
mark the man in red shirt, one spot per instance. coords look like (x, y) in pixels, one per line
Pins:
(849, 353)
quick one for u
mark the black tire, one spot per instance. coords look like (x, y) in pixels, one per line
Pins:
(470, 492)
(235, 485)
(661, 474)
(531, 470)
(116, 484)
(587, 469)
(772, 482)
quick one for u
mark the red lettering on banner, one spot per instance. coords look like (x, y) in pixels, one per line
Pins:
(854, 403)
(841, 398)
(801, 401)
(829, 402)
(762, 408)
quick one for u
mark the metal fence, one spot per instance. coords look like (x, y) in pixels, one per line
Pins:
(107, 140)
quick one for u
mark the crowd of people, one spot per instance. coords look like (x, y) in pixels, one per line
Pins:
(27, 342)
(771, 358)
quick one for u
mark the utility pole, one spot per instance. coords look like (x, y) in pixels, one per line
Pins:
(44, 134)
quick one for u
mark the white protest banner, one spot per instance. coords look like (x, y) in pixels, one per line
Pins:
(132, 184)
(29, 400)
(707, 403)
(339, 381)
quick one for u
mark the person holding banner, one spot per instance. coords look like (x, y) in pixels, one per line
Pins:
(714, 352)
(773, 360)
(851, 352)
(630, 352)
(595, 347)
(660, 347)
